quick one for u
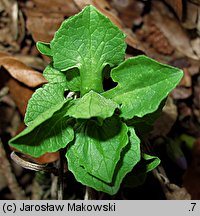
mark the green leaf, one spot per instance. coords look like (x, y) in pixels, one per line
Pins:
(48, 96)
(55, 76)
(151, 162)
(98, 148)
(49, 132)
(88, 41)
(70, 80)
(73, 80)
(144, 124)
(44, 99)
(129, 158)
(44, 48)
(92, 104)
(105, 146)
(138, 175)
(142, 84)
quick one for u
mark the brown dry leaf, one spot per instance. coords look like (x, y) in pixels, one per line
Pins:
(105, 8)
(7, 112)
(4, 54)
(3, 181)
(195, 43)
(198, 22)
(184, 111)
(196, 2)
(152, 37)
(187, 120)
(180, 62)
(197, 94)
(121, 4)
(43, 26)
(192, 176)
(125, 10)
(172, 29)
(11, 25)
(190, 21)
(66, 8)
(177, 193)
(184, 89)
(181, 92)
(32, 61)
(197, 97)
(194, 69)
(197, 114)
(164, 123)
(9, 116)
(20, 94)
(99, 4)
(46, 158)
(177, 6)
(21, 72)
(186, 81)
(45, 17)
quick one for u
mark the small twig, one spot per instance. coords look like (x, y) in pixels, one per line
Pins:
(32, 166)
(13, 185)
(170, 190)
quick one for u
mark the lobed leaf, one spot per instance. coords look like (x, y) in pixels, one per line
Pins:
(142, 84)
(88, 41)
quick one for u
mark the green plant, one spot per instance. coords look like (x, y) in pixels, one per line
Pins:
(97, 126)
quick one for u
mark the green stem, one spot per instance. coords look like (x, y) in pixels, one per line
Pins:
(91, 79)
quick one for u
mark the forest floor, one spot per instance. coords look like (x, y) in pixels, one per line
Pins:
(165, 30)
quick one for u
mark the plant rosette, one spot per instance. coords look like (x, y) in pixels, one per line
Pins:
(97, 127)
